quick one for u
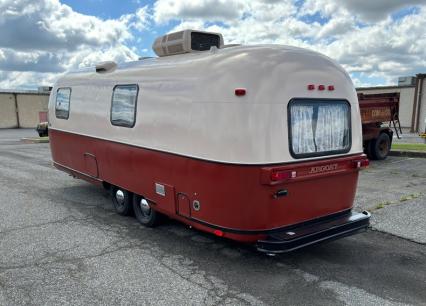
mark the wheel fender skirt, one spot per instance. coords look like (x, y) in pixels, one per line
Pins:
(302, 235)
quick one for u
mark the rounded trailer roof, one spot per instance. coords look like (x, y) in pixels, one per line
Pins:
(188, 106)
(247, 66)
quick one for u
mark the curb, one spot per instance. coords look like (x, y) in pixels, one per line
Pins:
(407, 153)
(35, 139)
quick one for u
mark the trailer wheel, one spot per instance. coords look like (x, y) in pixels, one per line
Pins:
(144, 212)
(380, 146)
(122, 201)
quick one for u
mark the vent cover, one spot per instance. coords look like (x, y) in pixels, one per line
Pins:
(106, 67)
(186, 41)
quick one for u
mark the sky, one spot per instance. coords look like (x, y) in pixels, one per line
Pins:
(376, 41)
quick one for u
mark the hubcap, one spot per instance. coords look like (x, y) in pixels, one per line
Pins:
(383, 146)
(146, 209)
(119, 196)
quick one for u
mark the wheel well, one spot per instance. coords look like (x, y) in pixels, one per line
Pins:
(106, 185)
(390, 134)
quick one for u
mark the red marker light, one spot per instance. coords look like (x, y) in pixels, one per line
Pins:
(321, 87)
(240, 92)
(218, 233)
(330, 87)
(311, 87)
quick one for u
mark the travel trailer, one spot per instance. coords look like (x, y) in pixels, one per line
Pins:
(261, 144)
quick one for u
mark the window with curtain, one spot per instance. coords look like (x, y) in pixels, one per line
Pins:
(319, 127)
(123, 107)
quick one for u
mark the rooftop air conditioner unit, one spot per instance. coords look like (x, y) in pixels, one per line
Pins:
(406, 81)
(186, 41)
(44, 88)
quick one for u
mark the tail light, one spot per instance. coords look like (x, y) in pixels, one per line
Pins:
(282, 175)
(362, 163)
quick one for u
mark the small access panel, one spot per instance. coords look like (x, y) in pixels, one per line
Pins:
(183, 207)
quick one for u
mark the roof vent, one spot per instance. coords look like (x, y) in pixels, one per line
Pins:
(106, 67)
(186, 41)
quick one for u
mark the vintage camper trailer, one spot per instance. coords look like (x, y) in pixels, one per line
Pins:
(260, 144)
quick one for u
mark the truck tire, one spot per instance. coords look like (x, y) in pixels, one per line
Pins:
(144, 212)
(380, 146)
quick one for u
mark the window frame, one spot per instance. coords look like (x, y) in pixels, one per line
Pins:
(134, 111)
(318, 101)
(69, 103)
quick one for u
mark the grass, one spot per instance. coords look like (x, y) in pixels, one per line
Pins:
(409, 146)
(410, 197)
(404, 198)
(36, 139)
(383, 204)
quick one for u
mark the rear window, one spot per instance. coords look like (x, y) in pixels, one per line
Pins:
(319, 127)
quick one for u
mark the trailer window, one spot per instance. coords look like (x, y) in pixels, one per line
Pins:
(62, 105)
(123, 106)
(319, 127)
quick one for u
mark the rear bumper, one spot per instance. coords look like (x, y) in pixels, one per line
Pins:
(303, 235)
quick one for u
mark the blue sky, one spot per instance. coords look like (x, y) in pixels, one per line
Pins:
(375, 41)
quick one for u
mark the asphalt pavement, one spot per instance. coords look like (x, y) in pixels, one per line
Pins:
(62, 243)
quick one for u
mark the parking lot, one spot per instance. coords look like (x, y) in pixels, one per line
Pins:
(62, 243)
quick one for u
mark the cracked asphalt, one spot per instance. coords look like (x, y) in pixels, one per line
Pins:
(62, 243)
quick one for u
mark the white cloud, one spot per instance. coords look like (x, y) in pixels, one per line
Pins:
(49, 25)
(165, 10)
(41, 39)
(368, 10)
(25, 79)
(360, 35)
(11, 60)
(139, 20)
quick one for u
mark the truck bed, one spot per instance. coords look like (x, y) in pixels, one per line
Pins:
(377, 108)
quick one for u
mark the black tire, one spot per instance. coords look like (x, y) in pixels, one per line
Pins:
(145, 214)
(122, 201)
(380, 146)
(107, 186)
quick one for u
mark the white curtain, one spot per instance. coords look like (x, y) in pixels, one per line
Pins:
(301, 128)
(332, 125)
(319, 128)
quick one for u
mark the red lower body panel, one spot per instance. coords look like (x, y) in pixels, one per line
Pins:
(240, 200)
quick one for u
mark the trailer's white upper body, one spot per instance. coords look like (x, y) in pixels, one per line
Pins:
(187, 105)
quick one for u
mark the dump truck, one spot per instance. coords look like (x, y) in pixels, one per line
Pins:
(379, 113)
